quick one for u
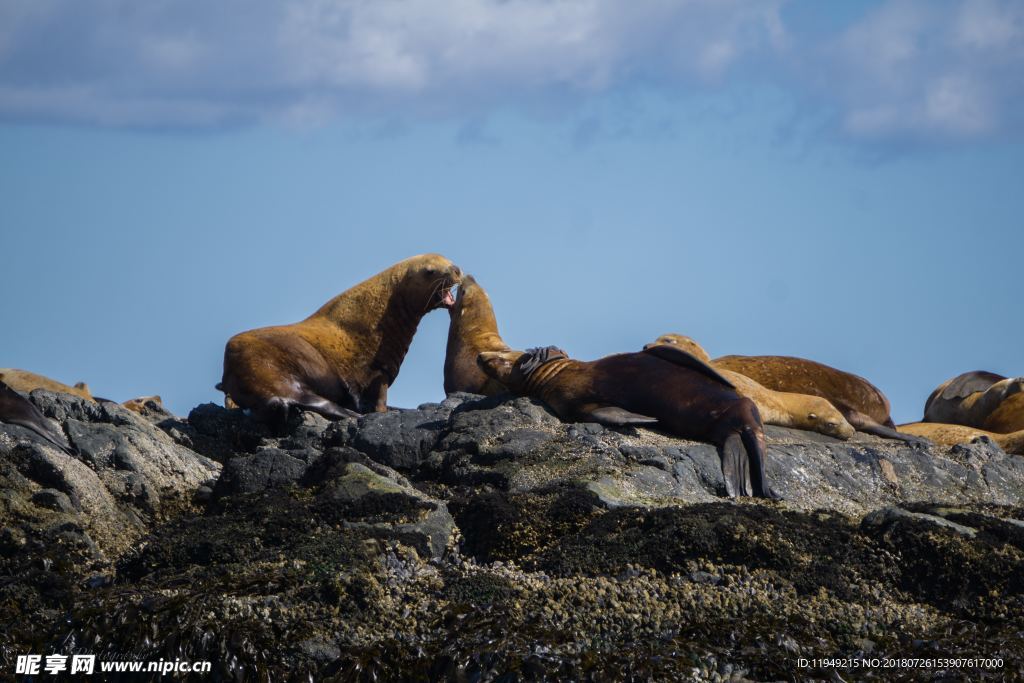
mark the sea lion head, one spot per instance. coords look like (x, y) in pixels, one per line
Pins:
(434, 276)
(513, 368)
(818, 414)
(682, 342)
(143, 403)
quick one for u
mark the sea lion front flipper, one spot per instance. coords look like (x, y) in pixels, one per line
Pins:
(15, 409)
(735, 466)
(970, 382)
(863, 423)
(612, 416)
(687, 360)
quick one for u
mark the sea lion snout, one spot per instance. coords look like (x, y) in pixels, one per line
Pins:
(502, 366)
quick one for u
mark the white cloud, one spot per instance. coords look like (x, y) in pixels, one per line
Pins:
(118, 60)
(930, 70)
(907, 69)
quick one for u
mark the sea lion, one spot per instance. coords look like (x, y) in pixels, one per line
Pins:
(782, 408)
(969, 399)
(862, 404)
(145, 405)
(1008, 417)
(662, 385)
(26, 382)
(953, 434)
(15, 409)
(473, 330)
(341, 360)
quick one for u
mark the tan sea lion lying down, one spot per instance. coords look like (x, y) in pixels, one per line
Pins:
(951, 435)
(341, 360)
(781, 408)
(662, 385)
(863, 405)
(27, 382)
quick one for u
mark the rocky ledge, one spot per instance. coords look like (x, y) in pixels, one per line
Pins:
(482, 539)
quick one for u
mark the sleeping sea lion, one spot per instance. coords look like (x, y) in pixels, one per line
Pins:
(341, 360)
(860, 402)
(1008, 417)
(15, 409)
(473, 330)
(969, 399)
(662, 385)
(952, 434)
(782, 408)
(26, 382)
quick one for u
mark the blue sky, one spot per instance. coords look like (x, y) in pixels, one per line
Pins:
(840, 181)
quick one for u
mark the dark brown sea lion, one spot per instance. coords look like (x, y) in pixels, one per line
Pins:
(473, 330)
(663, 386)
(15, 409)
(862, 404)
(1008, 417)
(952, 434)
(341, 360)
(26, 382)
(782, 408)
(969, 399)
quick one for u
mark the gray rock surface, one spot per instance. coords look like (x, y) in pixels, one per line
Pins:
(477, 539)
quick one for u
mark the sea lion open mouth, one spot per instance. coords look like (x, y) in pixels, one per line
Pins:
(447, 300)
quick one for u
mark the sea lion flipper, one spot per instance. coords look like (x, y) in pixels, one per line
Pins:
(687, 360)
(734, 458)
(613, 416)
(969, 383)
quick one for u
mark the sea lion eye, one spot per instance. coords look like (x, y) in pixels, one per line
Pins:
(812, 416)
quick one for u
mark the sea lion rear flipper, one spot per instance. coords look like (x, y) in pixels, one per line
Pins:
(613, 416)
(863, 423)
(676, 355)
(969, 383)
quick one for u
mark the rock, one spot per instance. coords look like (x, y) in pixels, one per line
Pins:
(263, 470)
(483, 539)
(53, 499)
(399, 438)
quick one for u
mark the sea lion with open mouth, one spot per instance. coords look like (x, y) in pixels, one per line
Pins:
(662, 385)
(862, 404)
(782, 408)
(15, 409)
(341, 360)
(473, 330)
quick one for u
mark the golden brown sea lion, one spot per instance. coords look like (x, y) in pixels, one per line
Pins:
(1008, 417)
(341, 360)
(969, 399)
(782, 408)
(15, 409)
(662, 385)
(860, 402)
(473, 330)
(26, 382)
(952, 434)
(138, 405)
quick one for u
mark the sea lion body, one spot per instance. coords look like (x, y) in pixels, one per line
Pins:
(678, 392)
(1008, 417)
(15, 409)
(473, 330)
(969, 399)
(781, 408)
(27, 382)
(863, 405)
(341, 360)
(953, 434)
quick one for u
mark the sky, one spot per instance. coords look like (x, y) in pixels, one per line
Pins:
(837, 181)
